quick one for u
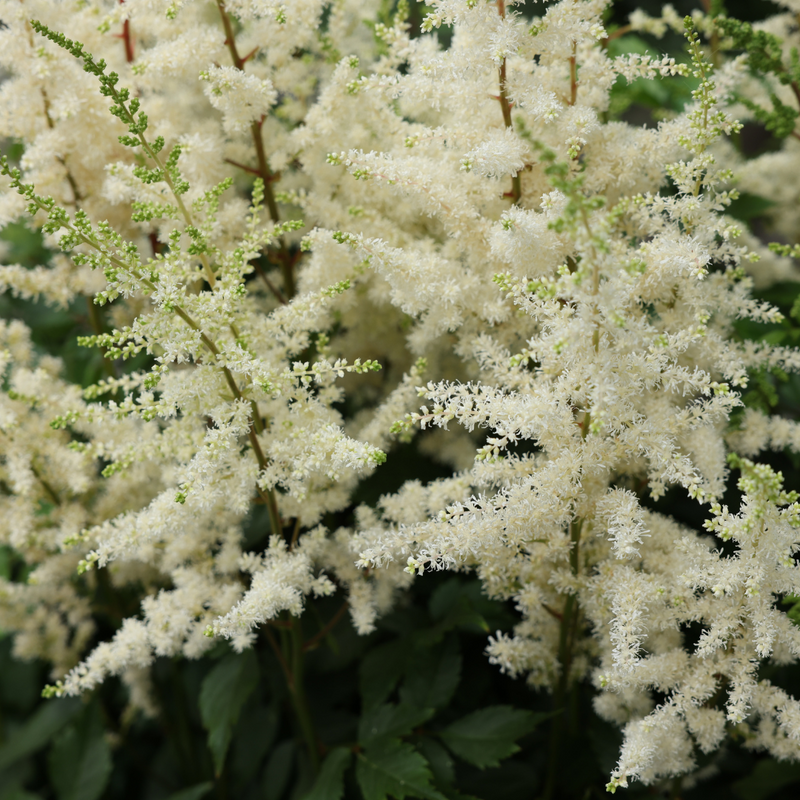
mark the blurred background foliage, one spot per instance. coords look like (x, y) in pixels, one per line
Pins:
(414, 709)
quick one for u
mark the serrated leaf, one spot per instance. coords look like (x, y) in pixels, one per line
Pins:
(396, 769)
(80, 762)
(439, 760)
(195, 792)
(390, 721)
(381, 670)
(485, 737)
(436, 673)
(48, 720)
(225, 690)
(330, 781)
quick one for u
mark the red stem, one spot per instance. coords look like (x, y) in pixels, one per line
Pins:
(126, 38)
(327, 629)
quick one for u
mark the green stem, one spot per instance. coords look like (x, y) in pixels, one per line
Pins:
(567, 633)
(97, 326)
(49, 490)
(298, 693)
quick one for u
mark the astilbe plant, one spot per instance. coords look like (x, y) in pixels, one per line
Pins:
(284, 198)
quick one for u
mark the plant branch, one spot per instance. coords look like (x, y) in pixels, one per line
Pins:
(573, 75)
(244, 167)
(286, 263)
(568, 627)
(49, 490)
(298, 694)
(270, 285)
(279, 656)
(331, 624)
(505, 106)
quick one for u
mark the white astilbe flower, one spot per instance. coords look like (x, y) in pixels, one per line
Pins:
(502, 154)
(624, 518)
(242, 98)
(376, 239)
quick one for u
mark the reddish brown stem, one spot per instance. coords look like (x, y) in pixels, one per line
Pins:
(264, 172)
(287, 673)
(251, 170)
(155, 245)
(573, 75)
(270, 285)
(614, 35)
(553, 613)
(319, 636)
(127, 38)
(505, 106)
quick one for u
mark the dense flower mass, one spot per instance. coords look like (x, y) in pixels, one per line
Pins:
(308, 232)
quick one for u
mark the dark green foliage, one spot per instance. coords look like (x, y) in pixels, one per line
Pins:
(486, 736)
(393, 768)
(193, 792)
(763, 49)
(330, 781)
(765, 57)
(766, 780)
(225, 690)
(48, 721)
(780, 120)
(79, 761)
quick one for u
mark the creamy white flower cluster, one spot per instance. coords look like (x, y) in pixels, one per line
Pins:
(558, 291)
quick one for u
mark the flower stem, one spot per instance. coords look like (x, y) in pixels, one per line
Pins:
(567, 634)
(266, 174)
(298, 692)
(505, 106)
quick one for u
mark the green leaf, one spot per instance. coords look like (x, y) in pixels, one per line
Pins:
(195, 792)
(20, 794)
(278, 770)
(793, 610)
(390, 721)
(380, 671)
(225, 690)
(462, 604)
(390, 767)
(485, 737)
(630, 43)
(749, 206)
(435, 676)
(440, 762)
(252, 737)
(80, 759)
(330, 781)
(48, 720)
(766, 779)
